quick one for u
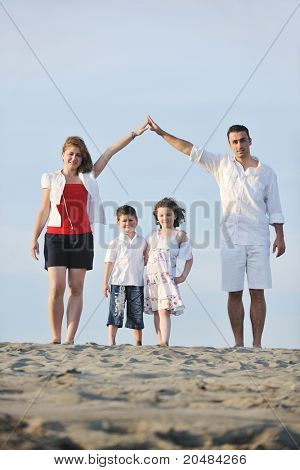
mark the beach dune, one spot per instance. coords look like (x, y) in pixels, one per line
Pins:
(126, 397)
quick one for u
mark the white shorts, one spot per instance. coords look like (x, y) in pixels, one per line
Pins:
(252, 259)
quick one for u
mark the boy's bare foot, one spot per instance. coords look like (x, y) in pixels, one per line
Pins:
(163, 344)
(55, 341)
(138, 343)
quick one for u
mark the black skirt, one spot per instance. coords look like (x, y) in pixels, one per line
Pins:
(74, 251)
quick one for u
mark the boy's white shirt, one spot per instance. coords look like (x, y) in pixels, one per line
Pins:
(128, 257)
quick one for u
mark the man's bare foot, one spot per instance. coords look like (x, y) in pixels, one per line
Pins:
(257, 346)
(239, 345)
(55, 341)
(138, 343)
(163, 344)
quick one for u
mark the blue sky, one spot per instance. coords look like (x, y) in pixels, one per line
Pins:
(105, 66)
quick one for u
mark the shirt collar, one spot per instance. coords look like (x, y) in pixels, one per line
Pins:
(232, 158)
(123, 236)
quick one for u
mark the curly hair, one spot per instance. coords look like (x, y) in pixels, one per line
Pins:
(170, 203)
(86, 164)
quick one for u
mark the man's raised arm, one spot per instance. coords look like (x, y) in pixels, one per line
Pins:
(179, 144)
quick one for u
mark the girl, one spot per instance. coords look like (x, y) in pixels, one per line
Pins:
(162, 295)
(71, 201)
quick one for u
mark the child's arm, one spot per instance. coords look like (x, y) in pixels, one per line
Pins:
(146, 254)
(187, 267)
(108, 267)
(182, 238)
(116, 147)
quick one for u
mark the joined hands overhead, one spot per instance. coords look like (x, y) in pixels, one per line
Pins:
(153, 126)
(150, 125)
(144, 127)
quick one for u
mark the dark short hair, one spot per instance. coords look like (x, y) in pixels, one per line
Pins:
(170, 203)
(126, 210)
(238, 128)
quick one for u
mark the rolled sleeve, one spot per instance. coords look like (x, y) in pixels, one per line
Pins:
(209, 161)
(273, 202)
(45, 181)
(276, 219)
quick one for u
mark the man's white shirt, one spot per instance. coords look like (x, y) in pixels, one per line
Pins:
(249, 198)
(128, 256)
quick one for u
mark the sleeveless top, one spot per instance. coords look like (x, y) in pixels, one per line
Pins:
(73, 211)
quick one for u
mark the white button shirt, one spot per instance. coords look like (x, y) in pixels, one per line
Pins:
(250, 198)
(128, 256)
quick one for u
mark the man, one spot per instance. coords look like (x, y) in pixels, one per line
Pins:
(250, 203)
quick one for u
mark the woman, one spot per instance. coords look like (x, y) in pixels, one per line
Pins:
(71, 201)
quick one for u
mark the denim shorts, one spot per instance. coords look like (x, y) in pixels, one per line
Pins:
(133, 296)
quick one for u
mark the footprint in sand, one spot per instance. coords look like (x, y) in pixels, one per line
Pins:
(21, 363)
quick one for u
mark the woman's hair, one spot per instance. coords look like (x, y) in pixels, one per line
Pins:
(86, 164)
(170, 204)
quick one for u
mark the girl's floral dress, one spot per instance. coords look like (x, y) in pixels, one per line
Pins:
(161, 292)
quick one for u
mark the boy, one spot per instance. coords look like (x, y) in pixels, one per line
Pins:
(124, 268)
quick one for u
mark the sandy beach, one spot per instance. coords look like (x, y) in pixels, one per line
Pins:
(126, 397)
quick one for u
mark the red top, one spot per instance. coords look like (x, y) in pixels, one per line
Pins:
(72, 209)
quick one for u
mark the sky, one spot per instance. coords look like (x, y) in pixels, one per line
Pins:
(95, 69)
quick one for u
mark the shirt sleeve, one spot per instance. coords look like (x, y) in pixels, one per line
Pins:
(209, 161)
(92, 174)
(111, 252)
(150, 239)
(273, 202)
(185, 250)
(145, 245)
(45, 181)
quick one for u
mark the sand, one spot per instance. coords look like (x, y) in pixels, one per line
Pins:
(127, 397)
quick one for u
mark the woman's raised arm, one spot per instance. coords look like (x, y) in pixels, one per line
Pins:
(116, 147)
